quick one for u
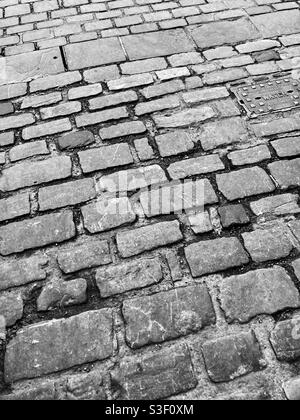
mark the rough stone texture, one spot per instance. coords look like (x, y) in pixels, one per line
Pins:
(83, 256)
(128, 276)
(129, 172)
(285, 339)
(277, 205)
(159, 375)
(11, 307)
(20, 272)
(263, 291)
(27, 174)
(143, 239)
(167, 315)
(222, 133)
(107, 214)
(59, 344)
(230, 357)
(292, 389)
(233, 215)
(268, 244)
(219, 33)
(177, 197)
(75, 139)
(244, 183)
(286, 173)
(37, 232)
(227, 252)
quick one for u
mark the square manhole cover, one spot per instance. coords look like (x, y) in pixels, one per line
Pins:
(266, 95)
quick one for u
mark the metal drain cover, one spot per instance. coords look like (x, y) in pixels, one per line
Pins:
(266, 95)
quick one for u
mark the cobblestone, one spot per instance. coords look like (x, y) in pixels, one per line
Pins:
(149, 227)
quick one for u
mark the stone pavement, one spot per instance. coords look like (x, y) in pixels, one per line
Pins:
(107, 290)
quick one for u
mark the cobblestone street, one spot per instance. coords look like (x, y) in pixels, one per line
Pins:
(149, 199)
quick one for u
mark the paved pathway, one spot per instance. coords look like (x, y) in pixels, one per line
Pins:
(149, 228)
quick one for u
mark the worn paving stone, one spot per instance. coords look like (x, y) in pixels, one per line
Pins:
(27, 174)
(195, 166)
(156, 375)
(59, 344)
(244, 183)
(13, 207)
(25, 67)
(268, 244)
(83, 256)
(185, 118)
(58, 294)
(229, 357)
(227, 252)
(21, 272)
(36, 232)
(107, 214)
(11, 307)
(286, 173)
(263, 291)
(276, 205)
(287, 147)
(233, 215)
(157, 44)
(67, 194)
(122, 278)
(137, 241)
(285, 339)
(279, 23)
(167, 315)
(225, 32)
(177, 197)
(93, 53)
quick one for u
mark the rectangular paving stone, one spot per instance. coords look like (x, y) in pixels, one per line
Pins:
(102, 116)
(122, 278)
(32, 173)
(177, 197)
(123, 129)
(16, 121)
(11, 307)
(278, 205)
(287, 147)
(13, 207)
(244, 183)
(93, 53)
(224, 32)
(278, 23)
(105, 101)
(37, 232)
(20, 272)
(137, 241)
(28, 66)
(82, 256)
(107, 214)
(67, 194)
(46, 129)
(105, 157)
(277, 126)
(195, 166)
(59, 344)
(264, 291)
(233, 356)
(167, 315)
(268, 244)
(132, 179)
(156, 375)
(286, 172)
(157, 44)
(226, 252)
(24, 151)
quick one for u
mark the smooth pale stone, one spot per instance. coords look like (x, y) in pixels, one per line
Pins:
(29, 66)
(93, 53)
(157, 44)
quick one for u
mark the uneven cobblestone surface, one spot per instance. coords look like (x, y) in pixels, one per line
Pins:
(111, 104)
